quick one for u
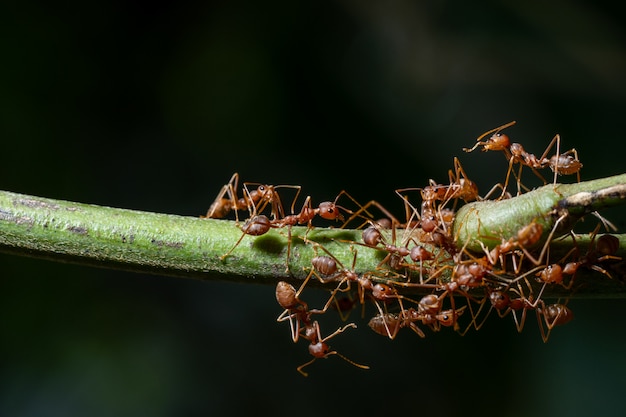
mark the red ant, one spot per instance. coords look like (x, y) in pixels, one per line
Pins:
(379, 292)
(434, 221)
(503, 304)
(605, 249)
(553, 315)
(260, 224)
(254, 200)
(381, 323)
(429, 312)
(257, 225)
(561, 164)
(288, 298)
(460, 187)
(222, 206)
(373, 236)
(327, 210)
(318, 347)
(526, 236)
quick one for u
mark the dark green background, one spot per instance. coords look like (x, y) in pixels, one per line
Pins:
(153, 106)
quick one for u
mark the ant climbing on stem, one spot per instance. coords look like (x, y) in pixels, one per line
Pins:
(566, 163)
(259, 224)
(254, 200)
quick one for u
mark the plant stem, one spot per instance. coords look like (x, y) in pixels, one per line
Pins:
(161, 244)
(190, 247)
(560, 206)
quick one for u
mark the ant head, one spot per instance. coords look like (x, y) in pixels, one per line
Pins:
(448, 318)
(499, 299)
(551, 274)
(329, 211)
(382, 291)
(498, 142)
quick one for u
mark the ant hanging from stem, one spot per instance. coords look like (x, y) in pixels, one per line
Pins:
(430, 312)
(553, 315)
(295, 308)
(602, 250)
(378, 292)
(318, 347)
(503, 303)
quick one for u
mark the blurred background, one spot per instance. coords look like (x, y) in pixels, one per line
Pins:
(153, 106)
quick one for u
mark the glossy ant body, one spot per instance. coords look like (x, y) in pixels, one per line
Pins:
(318, 347)
(566, 163)
(254, 200)
(429, 313)
(259, 224)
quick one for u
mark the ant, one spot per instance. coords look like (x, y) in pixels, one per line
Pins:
(259, 224)
(288, 298)
(396, 254)
(604, 249)
(561, 163)
(504, 304)
(547, 315)
(318, 347)
(434, 221)
(378, 292)
(527, 236)
(429, 312)
(553, 315)
(380, 323)
(258, 198)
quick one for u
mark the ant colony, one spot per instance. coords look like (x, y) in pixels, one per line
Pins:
(427, 278)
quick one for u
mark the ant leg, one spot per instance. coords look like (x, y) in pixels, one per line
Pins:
(363, 209)
(222, 206)
(537, 261)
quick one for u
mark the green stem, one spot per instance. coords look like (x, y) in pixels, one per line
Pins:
(488, 223)
(161, 244)
(191, 247)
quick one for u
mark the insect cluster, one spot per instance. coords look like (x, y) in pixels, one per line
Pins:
(456, 288)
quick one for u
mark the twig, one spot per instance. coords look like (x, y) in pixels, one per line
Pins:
(190, 247)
